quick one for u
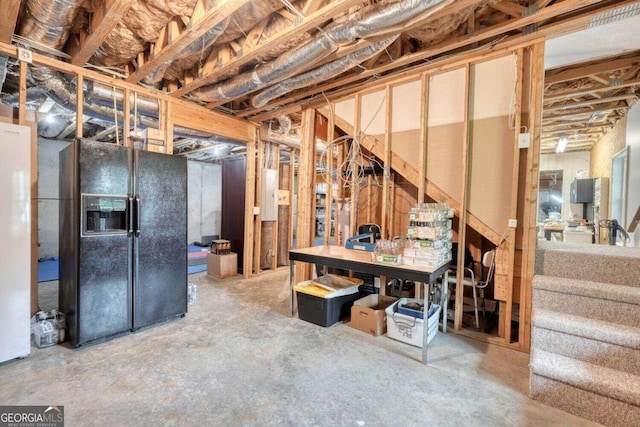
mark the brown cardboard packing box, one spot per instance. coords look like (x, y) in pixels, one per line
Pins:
(367, 314)
(222, 266)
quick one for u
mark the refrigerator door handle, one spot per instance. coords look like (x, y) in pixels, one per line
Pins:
(130, 216)
(137, 230)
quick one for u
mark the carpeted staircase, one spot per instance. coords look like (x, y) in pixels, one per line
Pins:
(585, 337)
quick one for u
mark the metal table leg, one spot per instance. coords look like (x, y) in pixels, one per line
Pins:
(291, 273)
(425, 329)
(444, 300)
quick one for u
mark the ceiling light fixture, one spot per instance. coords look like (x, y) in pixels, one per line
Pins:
(562, 144)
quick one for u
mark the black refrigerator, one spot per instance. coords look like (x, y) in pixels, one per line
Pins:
(123, 239)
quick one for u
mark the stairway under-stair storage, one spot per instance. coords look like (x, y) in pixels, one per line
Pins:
(585, 338)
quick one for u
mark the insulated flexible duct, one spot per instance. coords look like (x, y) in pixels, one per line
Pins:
(324, 72)
(364, 24)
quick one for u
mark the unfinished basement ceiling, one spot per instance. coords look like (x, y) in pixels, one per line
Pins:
(592, 79)
(261, 60)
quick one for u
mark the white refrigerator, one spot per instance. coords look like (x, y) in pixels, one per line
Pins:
(15, 231)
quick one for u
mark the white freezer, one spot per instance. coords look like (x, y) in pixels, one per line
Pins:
(15, 232)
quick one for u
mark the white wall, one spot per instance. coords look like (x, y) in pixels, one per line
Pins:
(570, 164)
(633, 183)
(48, 195)
(205, 200)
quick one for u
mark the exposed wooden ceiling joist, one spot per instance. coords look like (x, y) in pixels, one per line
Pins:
(8, 19)
(103, 21)
(573, 105)
(597, 68)
(198, 26)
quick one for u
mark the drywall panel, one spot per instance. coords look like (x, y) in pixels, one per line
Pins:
(492, 141)
(346, 110)
(204, 200)
(494, 86)
(405, 114)
(405, 122)
(406, 144)
(372, 113)
(445, 133)
(446, 98)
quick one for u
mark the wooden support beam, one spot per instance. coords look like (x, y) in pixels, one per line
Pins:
(311, 6)
(249, 203)
(511, 9)
(385, 226)
(126, 112)
(198, 26)
(276, 224)
(571, 106)
(103, 20)
(257, 219)
(424, 129)
(530, 199)
(293, 156)
(572, 73)
(306, 192)
(329, 222)
(8, 20)
(22, 94)
(462, 211)
(573, 93)
(353, 162)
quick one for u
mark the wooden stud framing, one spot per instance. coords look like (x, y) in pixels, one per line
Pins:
(330, 181)
(249, 203)
(424, 129)
(292, 176)
(22, 94)
(462, 212)
(531, 198)
(353, 186)
(510, 240)
(305, 217)
(126, 113)
(257, 219)
(274, 258)
(386, 161)
(79, 106)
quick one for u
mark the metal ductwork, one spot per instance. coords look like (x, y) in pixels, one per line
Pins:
(365, 23)
(47, 22)
(324, 72)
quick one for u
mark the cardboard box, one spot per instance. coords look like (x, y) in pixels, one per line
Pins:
(367, 314)
(222, 266)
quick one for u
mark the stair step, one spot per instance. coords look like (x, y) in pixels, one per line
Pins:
(611, 333)
(600, 301)
(600, 263)
(604, 344)
(587, 376)
(583, 403)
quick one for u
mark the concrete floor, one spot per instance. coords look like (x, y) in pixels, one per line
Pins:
(237, 359)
